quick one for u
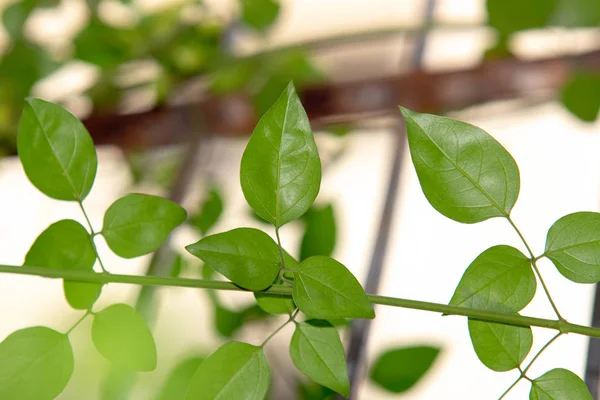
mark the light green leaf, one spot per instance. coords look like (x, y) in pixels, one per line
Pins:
(139, 224)
(398, 370)
(281, 170)
(465, 174)
(179, 379)
(235, 371)
(325, 289)
(259, 14)
(573, 245)
(559, 384)
(35, 364)
(317, 351)
(499, 279)
(581, 94)
(500, 347)
(211, 210)
(319, 236)
(56, 151)
(121, 335)
(275, 303)
(67, 245)
(248, 257)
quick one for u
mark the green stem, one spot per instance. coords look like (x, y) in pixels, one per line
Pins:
(290, 319)
(510, 388)
(485, 315)
(280, 249)
(88, 312)
(92, 235)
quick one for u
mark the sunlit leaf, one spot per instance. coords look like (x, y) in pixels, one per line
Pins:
(179, 379)
(319, 236)
(559, 384)
(209, 214)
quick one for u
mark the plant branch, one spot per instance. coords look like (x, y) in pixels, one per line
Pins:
(93, 234)
(484, 315)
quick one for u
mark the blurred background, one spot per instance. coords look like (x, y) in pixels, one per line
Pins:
(171, 90)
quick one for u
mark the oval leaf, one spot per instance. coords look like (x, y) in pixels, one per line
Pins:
(139, 224)
(465, 174)
(121, 335)
(56, 150)
(248, 257)
(235, 371)
(179, 379)
(325, 289)
(67, 245)
(500, 347)
(317, 351)
(559, 384)
(400, 369)
(35, 364)
(499, 279)
(281, 170)
(319, 236)
(573, 245)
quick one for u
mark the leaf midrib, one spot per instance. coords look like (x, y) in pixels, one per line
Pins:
(278, 189)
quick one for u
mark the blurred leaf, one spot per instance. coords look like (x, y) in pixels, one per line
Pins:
(509, 16)
(227, 322)
(581, 94)
(179, 379)
(319, 236)
(115, 385)
(210, 211)
(234, 75)
(314, 391)
(259, 14)
(177, 265)
(577, 13)
(398, 370)
(35, 363)
(15, 15)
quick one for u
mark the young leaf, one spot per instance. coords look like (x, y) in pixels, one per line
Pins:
(139, 224)
(500, 278)
(559, 384)
(56, 150)
(465, 174)
(35, 364)
(573, 245)
(275, 303)
(248, 257)
(179, 379)
(211, 210)
(235, 371)
(317, 351)
(500, 347)
(319, 236)
(67, 245)
(281, 170)
(398, 370)
(121, 335)
(325, 289)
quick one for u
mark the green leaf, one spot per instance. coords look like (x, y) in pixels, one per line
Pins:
(227, 322)
(398, 370)
(235, 371)
(509, 16)
(56, 150)
(500, 347)
(577, 13)
(121, 335)
(259, 14)
(67, 245)
(281, 170)
(317, 351)
(325, 289)
(499, 279)
(581, 94)
(314, 391)
(139, 224)
(35, 364)
(211, 210)
(248, 257)
(465, 174)
(179, 379)
(559, 384)
(276, 303)
(319, 236)
(573, 245)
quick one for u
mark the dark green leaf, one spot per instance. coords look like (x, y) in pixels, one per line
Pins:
(319, 236)
(35, 364)
(235, 371)
(398, 370)
(56, 150)
(139, 224)
(499, 279)
(559, 384)
(259, 14)
(317, 351)
(121, 335)
(465, 174)
(209, 213)
(275, 303)
(248, 257)
(325, 289)
(281, 169)
(314, 391)
(67, 245)
(581, 94)
(500, 347)
(509, 16)
(179, 379)
(573, 245)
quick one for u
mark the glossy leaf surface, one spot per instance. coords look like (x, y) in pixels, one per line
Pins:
(559, 384)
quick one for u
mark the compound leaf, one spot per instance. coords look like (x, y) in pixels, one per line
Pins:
(559, 384)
